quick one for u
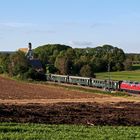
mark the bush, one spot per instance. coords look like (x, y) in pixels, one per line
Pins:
(34, 75)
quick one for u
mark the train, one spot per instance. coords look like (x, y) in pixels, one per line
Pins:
(111, 85)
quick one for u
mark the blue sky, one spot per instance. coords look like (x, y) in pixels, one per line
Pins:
(78, 23)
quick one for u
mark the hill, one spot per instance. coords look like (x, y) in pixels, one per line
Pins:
(37, 103)
(133, 75)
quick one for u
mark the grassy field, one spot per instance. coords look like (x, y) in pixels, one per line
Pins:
(123, 75)
(13, 131)
(133, 75)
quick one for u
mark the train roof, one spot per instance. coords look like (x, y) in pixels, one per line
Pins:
(78, 77)
(131, 82)
(59, 75)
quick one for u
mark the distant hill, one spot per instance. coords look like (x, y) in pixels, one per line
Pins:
(9, 52)
(134, 57)
(50, 48)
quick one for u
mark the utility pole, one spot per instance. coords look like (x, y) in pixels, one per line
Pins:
(109, 68)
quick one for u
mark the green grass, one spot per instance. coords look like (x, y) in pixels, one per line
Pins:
(13, 131)
(123, 75)
(133, 75)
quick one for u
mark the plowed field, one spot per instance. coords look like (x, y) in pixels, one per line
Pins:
(23, 102)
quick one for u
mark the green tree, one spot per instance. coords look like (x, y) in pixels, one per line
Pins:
(62, 64)
(86, 71)
(50, 68)
(4, 62)
(18, 64)
(128, 64)
(70, 61)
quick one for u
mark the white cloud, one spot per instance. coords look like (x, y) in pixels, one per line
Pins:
(81, 43)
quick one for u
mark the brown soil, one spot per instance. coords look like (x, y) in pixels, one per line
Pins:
(22, 102)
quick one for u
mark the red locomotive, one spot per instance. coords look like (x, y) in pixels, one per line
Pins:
(133, 87)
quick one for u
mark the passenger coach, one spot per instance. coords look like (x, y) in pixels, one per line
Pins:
(133, 87)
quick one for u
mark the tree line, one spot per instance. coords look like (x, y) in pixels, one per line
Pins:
(63, 59)
(16, 65)
(66, 60)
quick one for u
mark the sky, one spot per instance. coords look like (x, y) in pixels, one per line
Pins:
(77, 23)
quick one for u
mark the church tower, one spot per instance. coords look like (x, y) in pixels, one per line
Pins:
(29, 54)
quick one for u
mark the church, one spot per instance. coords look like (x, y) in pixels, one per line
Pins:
(34, 62)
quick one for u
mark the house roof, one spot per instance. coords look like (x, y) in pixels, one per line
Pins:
(35, 63)
(25, 50)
